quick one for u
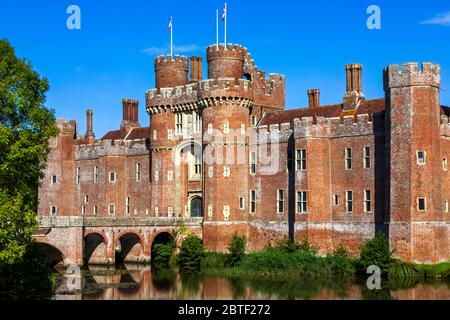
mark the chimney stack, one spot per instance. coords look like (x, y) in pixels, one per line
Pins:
(354, 95)
(130, 114)
(313, 98)
(196, 69)
(89, 126)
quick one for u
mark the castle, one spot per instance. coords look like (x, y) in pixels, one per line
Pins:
(223, 155)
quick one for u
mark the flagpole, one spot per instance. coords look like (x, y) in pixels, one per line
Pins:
(217, 27)
(171, 37)
(226, 14)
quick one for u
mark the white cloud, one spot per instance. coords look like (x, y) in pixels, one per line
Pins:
(442, 19)
(177, 49)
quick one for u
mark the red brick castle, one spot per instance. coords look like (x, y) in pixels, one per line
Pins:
(223, 155)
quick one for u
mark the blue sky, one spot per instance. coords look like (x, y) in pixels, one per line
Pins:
(111, 57)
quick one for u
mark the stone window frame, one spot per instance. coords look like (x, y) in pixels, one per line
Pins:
(54, 179)
(226, 172)
(243, 129)
(367, 157)
(241, 203)
(112, 177)
(179, 118)
(445, 164)
(95, 210)
(254, 120)
(78, 176)
(348, 153)
(96, 174)
(170, 212)
(280, 201)
(253, 161)
(128, 205)
(155, 135)
(170, 134)
(349, 203)
(83, 210)
(113, 207)
(419, 159)
(196, 122)
(368, 201)
(425, 204)
(446, 206)
(336, 200)
(86, 199)
(252, 201)
(210, 128)
(301, 199)
(226, 212)
(301, 159)
(226, 127)
(138, 171)
(54, 212)
(157, 212)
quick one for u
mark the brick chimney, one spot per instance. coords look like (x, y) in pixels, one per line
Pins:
(130, 118)
(89, 126)
(354, 95)
(196, 66)
(313, 98)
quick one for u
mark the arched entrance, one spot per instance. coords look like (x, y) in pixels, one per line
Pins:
(94, 249)
(196, 207)
(129, 249)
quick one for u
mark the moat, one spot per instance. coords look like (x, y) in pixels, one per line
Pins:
(134, 282)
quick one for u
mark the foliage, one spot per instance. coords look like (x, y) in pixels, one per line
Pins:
(286, 245)
(213, 261)
(162, 253)
(376, 252)
(29, 278)
(341, 262)
(191, 254)
(236, 250)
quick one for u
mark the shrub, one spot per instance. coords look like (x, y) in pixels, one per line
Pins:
(284, 245)
(376, 252)
(236, 250)
(162, 254)
(213, 261)
(341, 262)
(191, 254)
(306, 246)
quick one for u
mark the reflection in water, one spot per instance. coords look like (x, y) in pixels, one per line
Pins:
(136, 282)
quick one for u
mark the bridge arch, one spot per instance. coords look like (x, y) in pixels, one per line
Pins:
(54, 255)
(129, 246)
(95, 248)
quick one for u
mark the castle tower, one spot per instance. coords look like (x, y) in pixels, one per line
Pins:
(415, 203)
(171, 71)
(226, 100)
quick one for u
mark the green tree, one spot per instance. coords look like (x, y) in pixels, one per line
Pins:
(26, 125)
(191, 255)
(236, 250)
(376, 252)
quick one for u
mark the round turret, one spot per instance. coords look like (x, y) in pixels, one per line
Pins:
(171, 72)
(226, 62)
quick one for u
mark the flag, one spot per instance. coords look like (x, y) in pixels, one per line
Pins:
(170, 24)
(224, 14)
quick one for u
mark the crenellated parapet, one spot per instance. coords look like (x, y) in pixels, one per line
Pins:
(171, 71)
(410, 75)
(168, 62)
(274, 133)
(67, 126)
(445, 126)
(111, 148)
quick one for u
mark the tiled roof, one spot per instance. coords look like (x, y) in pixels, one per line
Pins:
(135, 134)
(336, 110)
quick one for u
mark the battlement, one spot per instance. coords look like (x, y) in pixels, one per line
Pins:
(410, 75)
(111, 148)
(169, 62)
(274, 133)
(229, 52)
(67, 126)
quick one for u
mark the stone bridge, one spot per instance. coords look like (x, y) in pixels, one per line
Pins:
(78, 240)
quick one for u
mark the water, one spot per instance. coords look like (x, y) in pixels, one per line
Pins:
(133, 282)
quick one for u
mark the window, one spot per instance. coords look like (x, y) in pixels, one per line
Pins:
(226, 172)
(83, 210)
(226, 213)
(226, 128)
(179, 123)
(302, 202)
(446, 206)
(53, 210)
(252, 163)
(112, 209)
(422, 204)
(138, 172)
(170, 134)
(197, 162)
(280, 200)
(242, 128)
(170, 210)
(170, 175)
(241, 203)
(300, 159)
(86, 199)
(252, 201)
(197, 122)
(78, 178)
(421, 158)
(348, 159)
(128, 205)
(95, 210)
(156, 176)
(210, 128)
(349, 201)
(367, 201)
(444, 164)
(112, 176)
(336, 200)
(156, 211)
(155, 135)
(254, 121)
(367, 160)
(95, 174)
(54, 179)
